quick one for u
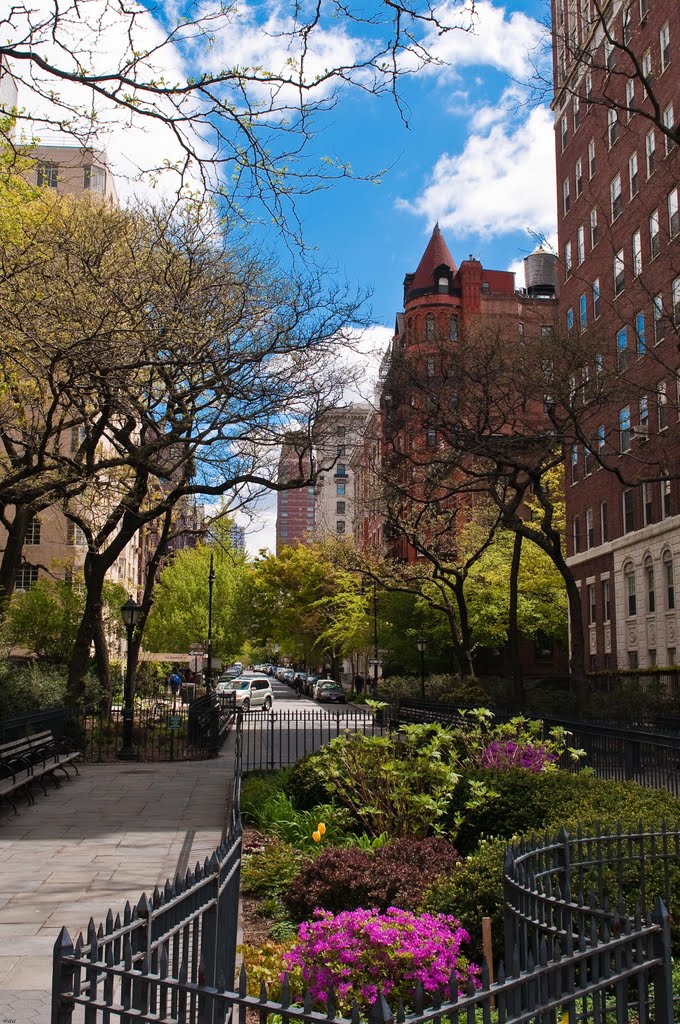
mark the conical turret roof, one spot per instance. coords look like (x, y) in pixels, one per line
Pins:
(436, 254)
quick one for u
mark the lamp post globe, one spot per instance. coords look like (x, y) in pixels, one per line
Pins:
(130, 613)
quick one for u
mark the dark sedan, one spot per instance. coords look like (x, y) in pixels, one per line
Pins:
(331, 692)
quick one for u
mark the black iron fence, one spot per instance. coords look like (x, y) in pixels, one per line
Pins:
(651, 758)
(275, 739)
(163, 730)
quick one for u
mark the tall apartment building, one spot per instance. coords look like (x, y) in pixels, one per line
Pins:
(336, 436)
(237, 536)
(294, 506)
(74, 171)
(617, 71)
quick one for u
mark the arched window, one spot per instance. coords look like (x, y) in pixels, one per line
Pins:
(443, 285)
(649, 583)
(429, 327)
(453, 328)
(668, 580)
(629, 577)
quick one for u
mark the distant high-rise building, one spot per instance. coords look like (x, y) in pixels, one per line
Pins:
(336, 436)
(295, 505)
(237, 536)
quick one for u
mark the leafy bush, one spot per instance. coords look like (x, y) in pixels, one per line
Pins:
(256, 790)
(265, 963)
(29, 688)
(306, 785)
(359, 953)
(270, 870)
(394, 875)
(466, 692)
(276, 815)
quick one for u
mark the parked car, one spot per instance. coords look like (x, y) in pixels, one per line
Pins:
(319, 682)
(251, 692)
(327, 690)
(308, 685)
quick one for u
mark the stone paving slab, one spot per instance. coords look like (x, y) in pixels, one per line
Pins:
(108, 835)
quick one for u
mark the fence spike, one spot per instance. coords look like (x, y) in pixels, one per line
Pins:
(500, 973)
(164, 965)
(285, 989)
(64, 945)
(380, 1013)
(355, 1016)
(214, 863)
(263, 992)
(453, 987)
(178, 884)
(117, 923)
(127, 913)
(530, 962)
(330, 1004)
(206, 867)
(485, 976)
(419, 998)
(307, 1002)
(100, 932)
(242, 981)
(156, 897)
(79, 944)
(401, 1013)
(167, 890)
(144, 906)
(109, 921)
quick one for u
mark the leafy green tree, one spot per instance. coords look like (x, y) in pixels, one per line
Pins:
(179, 616)
(45, 619)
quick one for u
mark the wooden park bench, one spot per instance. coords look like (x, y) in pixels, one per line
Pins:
(32, 759)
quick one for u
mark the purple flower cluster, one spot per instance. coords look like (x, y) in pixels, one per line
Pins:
(359, 953)
(509, 754)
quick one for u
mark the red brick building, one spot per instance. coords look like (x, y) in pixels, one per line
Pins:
(616, 83)
(294, 507)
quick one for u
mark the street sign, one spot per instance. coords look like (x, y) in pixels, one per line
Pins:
(175, 722)
(374, 661)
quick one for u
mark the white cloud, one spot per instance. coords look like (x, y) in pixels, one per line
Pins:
(496, 39)
(502, 181)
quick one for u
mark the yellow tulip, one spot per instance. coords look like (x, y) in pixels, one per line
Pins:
(321, 828)
(316, 836)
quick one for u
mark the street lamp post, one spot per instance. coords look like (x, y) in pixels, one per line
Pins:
(211, 580)
(376, 657)
(421, 644)
(130, 613)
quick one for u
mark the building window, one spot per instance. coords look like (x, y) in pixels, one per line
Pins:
(593, 228)
(646, 69)
(94, 179)
(78, 435)
(430, 366)
(340, 526)
(615, 196)
(669, 582)
(578, 178)
(665, 498)
(669, 125)
(574, 464)
(662, 404)
(633, 661)
(341, 469)
(664, 46)
(649, 584)
(622, 349)
(671, 656)
(26, 577)
(673, 221)
(74, 535)
(566, 196)
(33, 532)
(651, 657)
(587, 459)
(590, 529)
(570, 320)
(429, 327)
(647, 503)
(604, 523)
(630, 96)
(612, 126)
(589, 90)
(637, 253)
(592, 606)
(443, 285)
(650, 151)
(576, 108)
(564, 132)
(431, 438)
(47, 177)
(675, 300)
(658, 319)
(606, 602)
(453, 328)
(628, 510)
(596, 298)
(619, 273)
(629, 577)
(341, 451)
(640, 342)
(654, 239)
(340, 508)
(339, 488)
(576, 534)
(633, 179)
(583, 311)
(581, 244)
(644, 8)
(609, 55)
(591, 158)
(601, 440)
(567, 259)
(643, 406)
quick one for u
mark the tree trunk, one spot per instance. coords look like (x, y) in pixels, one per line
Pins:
(152, 570)
(467, 665)
(517, 695)
(12, 556)
(101, 654)
(95, 571)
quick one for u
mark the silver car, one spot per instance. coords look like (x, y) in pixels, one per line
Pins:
(251, 692)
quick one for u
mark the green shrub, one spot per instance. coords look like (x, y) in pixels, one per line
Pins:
(27, 688)
(265, 963)
(270, 870)
(276, 815)
(256, 790)
(453, 689)
(395, 875)
(305, 783)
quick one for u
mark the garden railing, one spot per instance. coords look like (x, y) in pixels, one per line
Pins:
(276, 739)
(569, 957)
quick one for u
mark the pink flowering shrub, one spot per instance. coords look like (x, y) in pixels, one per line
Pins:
(504, 754)
(359, 953)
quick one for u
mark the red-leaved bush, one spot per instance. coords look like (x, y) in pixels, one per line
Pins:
(395, 875)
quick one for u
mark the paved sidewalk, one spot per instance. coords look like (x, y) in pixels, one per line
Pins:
(104, 837)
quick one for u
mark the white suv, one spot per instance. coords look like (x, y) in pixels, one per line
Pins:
(250, 691)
